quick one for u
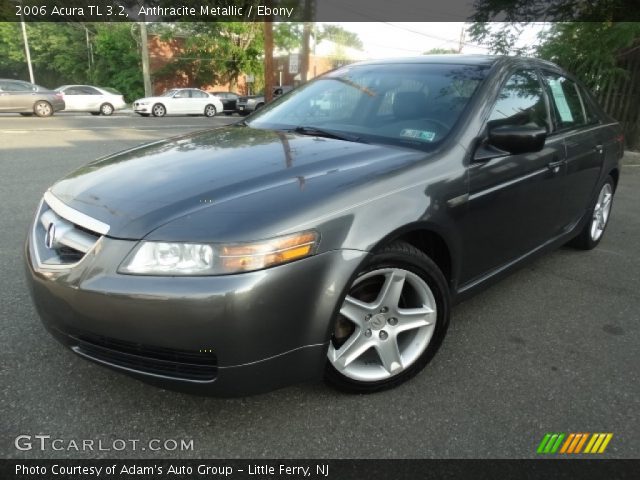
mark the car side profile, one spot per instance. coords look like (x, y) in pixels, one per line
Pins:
(28, 99)
(229, 101)
(95, 100)
(327, 235)
(179, 101)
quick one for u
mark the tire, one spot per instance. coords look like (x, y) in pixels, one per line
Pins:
(599, 214)
(106, 109)
(377, 341)
(210, 111)
(42, 109)
(159, 110)
(259, 106)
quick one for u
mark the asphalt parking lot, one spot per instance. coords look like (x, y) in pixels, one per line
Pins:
(554, 348)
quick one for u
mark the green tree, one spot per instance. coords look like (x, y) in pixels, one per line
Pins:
(117, 58)
(217, 52)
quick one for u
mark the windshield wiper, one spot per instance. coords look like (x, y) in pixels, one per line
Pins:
(321, 132)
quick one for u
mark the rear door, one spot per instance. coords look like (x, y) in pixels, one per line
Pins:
(199, 100)
(72, 98)
(513, 198)
(21, 95)
(582, 133)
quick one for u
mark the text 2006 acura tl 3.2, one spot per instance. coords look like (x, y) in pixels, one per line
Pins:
(327, 234)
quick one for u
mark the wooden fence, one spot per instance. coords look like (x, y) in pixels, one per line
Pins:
(620, 97)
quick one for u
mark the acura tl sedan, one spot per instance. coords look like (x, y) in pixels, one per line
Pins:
(179, 101)
(304, 243)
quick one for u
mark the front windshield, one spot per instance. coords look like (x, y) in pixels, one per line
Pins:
(404, 104)
(169, 93)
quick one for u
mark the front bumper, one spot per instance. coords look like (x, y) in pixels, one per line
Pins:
(137, 108)
(241, 334)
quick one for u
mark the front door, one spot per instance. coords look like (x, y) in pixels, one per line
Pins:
(513, 198)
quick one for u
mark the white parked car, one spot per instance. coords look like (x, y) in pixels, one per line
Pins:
(179, 101)
(95, 100)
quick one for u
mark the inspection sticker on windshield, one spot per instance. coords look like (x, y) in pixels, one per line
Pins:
(425, 135)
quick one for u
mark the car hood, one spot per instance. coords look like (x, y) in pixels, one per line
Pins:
(151, 99)
(244, 173)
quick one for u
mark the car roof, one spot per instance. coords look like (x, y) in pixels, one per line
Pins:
(460, 59)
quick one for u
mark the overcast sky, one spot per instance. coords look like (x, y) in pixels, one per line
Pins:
(396, 39)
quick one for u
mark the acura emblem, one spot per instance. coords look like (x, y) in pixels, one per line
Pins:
(50, 237)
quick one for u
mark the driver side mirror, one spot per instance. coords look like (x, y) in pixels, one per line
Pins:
(518, 138)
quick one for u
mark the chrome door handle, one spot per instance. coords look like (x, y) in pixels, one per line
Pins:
(599, 148)
(555, 166)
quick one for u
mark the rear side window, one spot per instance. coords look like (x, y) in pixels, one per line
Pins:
(521, 102)
(589, 108)
(567, 106)
(18, 87)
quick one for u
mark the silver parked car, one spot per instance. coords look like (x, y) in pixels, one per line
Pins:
(17, 96)
(95, 100)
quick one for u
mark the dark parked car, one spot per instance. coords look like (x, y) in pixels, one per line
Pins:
(251, 103)
(294, 245)
(229, 100)
(28, 99)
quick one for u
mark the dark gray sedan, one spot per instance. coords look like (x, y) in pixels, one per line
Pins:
(27, 99)
(329, 233)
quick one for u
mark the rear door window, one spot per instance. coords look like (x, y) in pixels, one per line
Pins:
(567, 106)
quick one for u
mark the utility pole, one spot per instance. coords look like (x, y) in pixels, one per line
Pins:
(26, 47)
(306, 34)
(461, 43)
(268, 60)
(145, 59)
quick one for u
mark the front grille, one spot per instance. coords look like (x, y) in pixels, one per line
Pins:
(165, 362)
(58, 242)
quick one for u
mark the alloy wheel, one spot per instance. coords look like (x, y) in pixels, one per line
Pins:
(386, 322)
(601, 212)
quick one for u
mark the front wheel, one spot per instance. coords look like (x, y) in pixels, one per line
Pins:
(210, 111)
(158, 110)
(599, 214)
(391, 321)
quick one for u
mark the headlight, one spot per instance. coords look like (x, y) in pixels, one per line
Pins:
(163, 258)
(142, 103)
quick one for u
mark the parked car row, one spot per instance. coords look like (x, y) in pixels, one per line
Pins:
(17, 96)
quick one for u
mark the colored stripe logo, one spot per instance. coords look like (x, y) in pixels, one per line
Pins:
(574, 443)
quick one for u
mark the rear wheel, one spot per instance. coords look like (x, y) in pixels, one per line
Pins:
(599, 214)
(210, 111)
(259, 106)
(106, 109)
(158, 110)
(43, 109)
(391, 322)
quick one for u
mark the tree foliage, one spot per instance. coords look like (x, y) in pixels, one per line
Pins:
(216, 52)
(590, 50)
